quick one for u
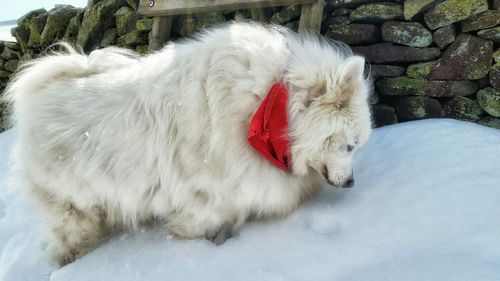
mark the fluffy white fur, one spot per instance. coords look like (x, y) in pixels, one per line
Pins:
(114, 139)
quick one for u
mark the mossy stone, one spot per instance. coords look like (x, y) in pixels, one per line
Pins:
(402, 86)
(412, 34)
(142, 49)
(415, 108)
(186, 25)
(383, 115)
(125, 20)
(144, 24)
(134, 4)
(9, 54)
(355, 34)
(382, 70)
(11, 65)
(451, 11)
(377, 12)
(4, 74)
(483, 20)
(489, 99)
(469, 57)
(492, 34)
(22, 32)
(57, 22)
(463, 108)
(74, 26)
(415, 7)
(444, 36)
(36, 26)
(420, 70)
(490, 122)
(495, 76)
(97, 18)
(496, 55)
(133, 38)
(286, 14)
(108, 38)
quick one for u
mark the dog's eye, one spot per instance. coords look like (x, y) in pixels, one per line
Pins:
(350, 148)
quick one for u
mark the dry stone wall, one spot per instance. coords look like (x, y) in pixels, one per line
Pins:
(428, 58)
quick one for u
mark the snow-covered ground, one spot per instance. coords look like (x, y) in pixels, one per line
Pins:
(426, 206)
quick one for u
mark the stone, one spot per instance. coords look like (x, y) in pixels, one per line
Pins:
(12, 45)
(496, 4)
(483, 20)
(21, 32)
(495, 76)
(444, 36)
(96, 19)
(389, 53)
(415, 7)
(463, 108)
(108, 38)
(490, 122)
(411, 34)
(380, 70)
(496, 55)
(9, 54)
(186, 25)
(2, 63)
(338, 20)
(420, 70)
(144, 24)
(134, 4)
(404, 86)
(4, 74)
(341, 12)
(11, 65)
(355, 34)
(294, 25)
(142, 49)
(125, 19)
(383, 115)
(74, 26)
(451, 11)
(57, 22)
(349, 3)
(492, 34)
(373, 98)
(377, 12)
(36, 26)
(415, 108)
(489, 100)
(133, 38)
(469, 57)
(286, 14)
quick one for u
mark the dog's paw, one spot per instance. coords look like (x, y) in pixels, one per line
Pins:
(220, 236)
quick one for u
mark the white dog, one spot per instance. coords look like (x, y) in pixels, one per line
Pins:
(114, 139)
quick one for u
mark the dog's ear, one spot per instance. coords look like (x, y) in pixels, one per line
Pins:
(352, 71)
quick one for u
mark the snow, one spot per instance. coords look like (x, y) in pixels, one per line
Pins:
(426, 206)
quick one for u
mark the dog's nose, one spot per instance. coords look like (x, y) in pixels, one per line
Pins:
(349, 182)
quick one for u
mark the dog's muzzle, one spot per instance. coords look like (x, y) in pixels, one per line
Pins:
(348, 183)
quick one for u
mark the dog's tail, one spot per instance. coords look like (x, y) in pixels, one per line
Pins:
(36, 74)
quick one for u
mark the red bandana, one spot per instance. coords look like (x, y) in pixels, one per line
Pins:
(269, 128)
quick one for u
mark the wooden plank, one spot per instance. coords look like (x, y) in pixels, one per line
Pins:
(311, 17)
(162, 28)
(178, 7)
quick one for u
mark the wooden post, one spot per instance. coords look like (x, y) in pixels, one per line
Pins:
(162, 28)
(311, 17)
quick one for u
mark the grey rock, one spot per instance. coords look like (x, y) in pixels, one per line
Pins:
(490, 122)
(36, 26)
(389, 53)
(444, 36)
(383, 115)
(463, 108)
(483, 20)
(415, 108)
(469, 57)
(450, 11)
(133, 38)
(377, 12)
(355, 34)
(380, 70)
(186, 25)
(489, 100)
(492, 34)
(412, 34)
(341, 12)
